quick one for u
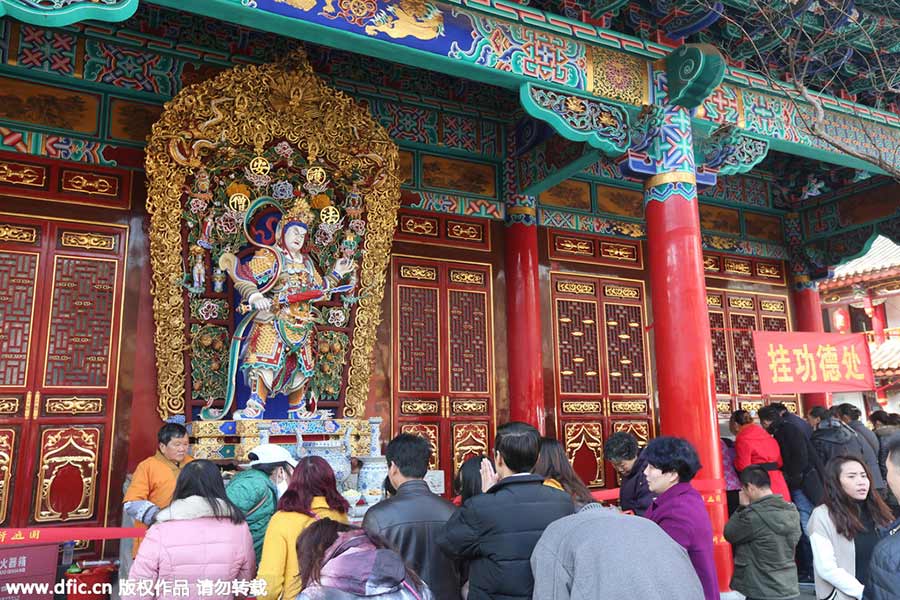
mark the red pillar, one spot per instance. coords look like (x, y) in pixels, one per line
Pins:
(808, 308)
(683, 345)
(526, 378)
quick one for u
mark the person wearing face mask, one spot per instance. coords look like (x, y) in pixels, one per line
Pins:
(843, 531)
(258, 487)
(311, 495)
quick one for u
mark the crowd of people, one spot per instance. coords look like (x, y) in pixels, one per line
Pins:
(807, 498)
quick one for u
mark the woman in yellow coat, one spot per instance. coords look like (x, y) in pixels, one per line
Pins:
(311, 495)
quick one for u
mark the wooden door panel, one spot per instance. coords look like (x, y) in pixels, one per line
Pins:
(18, 281)
(81, 327)
(431, 432)
(583, 441)
(468, 439)
(61, 286)
(443, 353)
(10, 439)
(69, 461)
(602, 365)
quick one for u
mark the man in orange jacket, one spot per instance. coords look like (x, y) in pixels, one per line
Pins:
(153, 482)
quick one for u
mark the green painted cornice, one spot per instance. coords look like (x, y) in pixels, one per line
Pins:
(65, 12)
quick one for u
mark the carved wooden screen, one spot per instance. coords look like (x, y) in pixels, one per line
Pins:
(443, 357)
(602, 369)
(61, 286)
(733, 315)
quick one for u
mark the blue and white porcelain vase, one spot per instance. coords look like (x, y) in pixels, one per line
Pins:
(372, 473)
(333, 451)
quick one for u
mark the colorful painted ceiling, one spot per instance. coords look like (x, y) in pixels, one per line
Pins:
(845, 48)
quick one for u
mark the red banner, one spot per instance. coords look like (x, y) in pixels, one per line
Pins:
(791, 363)
(21, 536)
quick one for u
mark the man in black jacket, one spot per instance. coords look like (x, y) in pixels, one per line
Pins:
(884, 567)
(413, 518)
(497, 530)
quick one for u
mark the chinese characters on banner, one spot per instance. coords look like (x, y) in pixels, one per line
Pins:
(791, 363)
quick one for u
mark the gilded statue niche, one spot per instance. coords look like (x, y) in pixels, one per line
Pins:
(239, 125)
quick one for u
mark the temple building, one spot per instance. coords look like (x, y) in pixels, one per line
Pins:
(863, 295)
(442, 214)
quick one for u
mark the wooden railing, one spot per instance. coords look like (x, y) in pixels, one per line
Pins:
(890, 333)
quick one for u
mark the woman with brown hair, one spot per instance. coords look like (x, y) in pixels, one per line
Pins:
(843, 530)
(342, 562)
(311, 495)
(553, 464)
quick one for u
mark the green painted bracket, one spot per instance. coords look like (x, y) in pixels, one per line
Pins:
(66, 12)
(601, 124)
(560, 174)
(693, 72)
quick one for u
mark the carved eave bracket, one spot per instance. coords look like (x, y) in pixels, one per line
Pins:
(731, 151)
(577, 132)
(59, 13)
(693, 71)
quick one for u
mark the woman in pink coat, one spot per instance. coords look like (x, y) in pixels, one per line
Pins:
(197, 547)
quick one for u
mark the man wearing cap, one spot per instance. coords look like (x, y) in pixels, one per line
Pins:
(256, 490)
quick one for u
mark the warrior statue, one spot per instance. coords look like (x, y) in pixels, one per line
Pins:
(279, 286)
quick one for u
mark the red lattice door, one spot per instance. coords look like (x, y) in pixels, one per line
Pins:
(602, 367)
(61, 286)
(443, 357)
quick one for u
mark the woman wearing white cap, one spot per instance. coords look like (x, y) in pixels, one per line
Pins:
(257, 489)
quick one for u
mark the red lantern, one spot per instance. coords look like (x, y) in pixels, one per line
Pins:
(840, 320)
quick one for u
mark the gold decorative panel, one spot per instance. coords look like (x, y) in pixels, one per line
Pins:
(639, 429)
(415, 225)
(711, 263)
(738, 267)
(618, 291)
(741, 303)
(469, 439)
(17, 233)
(751, 405)
(90, 183)
(772, 305)
(87, 241)
(419, 407)
(432, 434)
(469, 407)
(67, 473)
(73, 406)
(417, 272)
(21, 174)
(575, 287)
(792, 407)
(7, 450)
(622, 252)
(618, 76)
(467, 277)
(576, 246)
(714, 301)
(576, 408)
(583, 440)
(768, 271)
(618, 406)
(723, 407)
(465, 231)
(9, 406)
